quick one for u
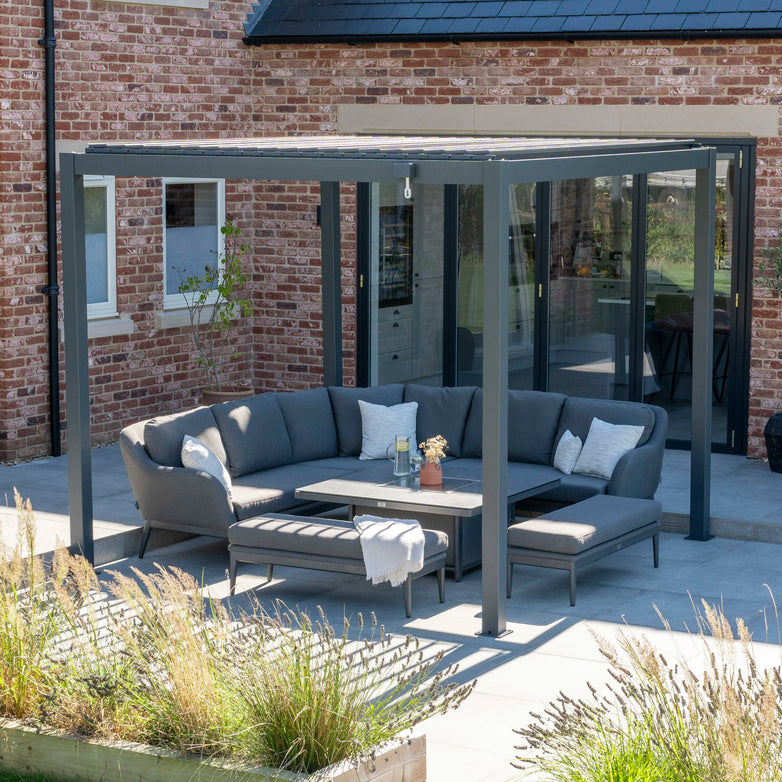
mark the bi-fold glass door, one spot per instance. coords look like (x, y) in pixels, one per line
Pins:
(600, 289)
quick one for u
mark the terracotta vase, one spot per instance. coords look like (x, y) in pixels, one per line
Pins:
(431, 474)
(209, 397)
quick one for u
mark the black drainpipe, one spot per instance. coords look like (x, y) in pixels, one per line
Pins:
(51, 289)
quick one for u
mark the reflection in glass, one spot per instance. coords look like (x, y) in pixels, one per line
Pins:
(589, 296)
(407, 258)
(521, 281)
(669, 279)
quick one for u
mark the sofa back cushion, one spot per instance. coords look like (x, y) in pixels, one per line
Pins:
(441, 411)
(532, 426)
(254, 434)
(347, 416)
(577, 415)
(310, 424)
(163, 435)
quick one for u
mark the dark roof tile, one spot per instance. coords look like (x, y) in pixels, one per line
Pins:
(408, 26)
(689, 6)
(460, 10)
(437, 26)
(720, 5)
(547, 24)
(733, 21)
(520, 24)
(668, 22)
(608, 23)
(701, 22)
(487, 9)
(755, 5)
(462, 25)
(380, 26)
(515, 8)
(637, 22)
(542, 7)
(765, 21)
(603, 7)
(581, 23)
(663, 6)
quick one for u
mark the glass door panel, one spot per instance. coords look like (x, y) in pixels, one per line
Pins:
(669, 287)
(407, 239)
(589, 287)
(521, 282)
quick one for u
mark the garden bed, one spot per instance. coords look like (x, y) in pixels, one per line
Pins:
(28, 750)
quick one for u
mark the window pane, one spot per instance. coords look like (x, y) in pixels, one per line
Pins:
(96, 244)
(590, 288)
(191, 230)
(521, 284)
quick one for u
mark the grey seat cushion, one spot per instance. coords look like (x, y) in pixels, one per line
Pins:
(575, 487)
(441, 411)
(577, 415)
(532, 426)
(321, 537)
(347, 415)
(254, 434)
(586, 524)
(275, 490)
(163, 435)
(310, 424)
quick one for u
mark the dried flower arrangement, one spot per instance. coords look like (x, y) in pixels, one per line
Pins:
(434, 448)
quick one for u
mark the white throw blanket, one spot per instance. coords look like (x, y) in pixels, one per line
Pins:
(392, 547)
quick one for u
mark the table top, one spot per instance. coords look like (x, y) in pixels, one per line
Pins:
(460, 494)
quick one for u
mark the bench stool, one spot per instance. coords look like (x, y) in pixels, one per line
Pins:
(586, 531)
(319, 544)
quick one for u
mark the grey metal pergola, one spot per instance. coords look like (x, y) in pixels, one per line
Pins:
(494, 163)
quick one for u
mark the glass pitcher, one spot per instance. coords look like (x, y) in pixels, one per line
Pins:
(400, 455)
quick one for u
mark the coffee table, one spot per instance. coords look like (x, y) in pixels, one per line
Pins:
(454, 509)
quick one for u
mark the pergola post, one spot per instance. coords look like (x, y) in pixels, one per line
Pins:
(496, 219)
(702, 350)
(77, 384)
(331, 264)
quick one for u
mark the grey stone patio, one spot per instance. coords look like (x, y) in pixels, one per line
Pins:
(550, 647)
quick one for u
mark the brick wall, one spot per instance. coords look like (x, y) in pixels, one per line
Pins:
(128, 71)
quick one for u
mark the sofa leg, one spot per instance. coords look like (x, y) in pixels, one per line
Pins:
(572, 584)
(144, 540)
(232, 573)
(509, 586)
(269, 573)
(441, 583)
(407, 594)
(656, 548)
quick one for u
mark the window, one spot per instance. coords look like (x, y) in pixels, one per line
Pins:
(195, 212)
(100, 246)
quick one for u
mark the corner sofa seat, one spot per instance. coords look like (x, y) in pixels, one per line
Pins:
(274, 443)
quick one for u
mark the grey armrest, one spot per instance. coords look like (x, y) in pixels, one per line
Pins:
(174, 495)
(637, 474)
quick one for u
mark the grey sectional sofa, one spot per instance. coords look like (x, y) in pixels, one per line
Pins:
(276, 442)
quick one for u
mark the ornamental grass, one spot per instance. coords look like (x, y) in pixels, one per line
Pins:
(664, 720)
(147, 658)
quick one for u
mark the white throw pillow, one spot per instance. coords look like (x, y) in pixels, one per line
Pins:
(198, 457)
(380, 425)
(605, 445)
(567, 453)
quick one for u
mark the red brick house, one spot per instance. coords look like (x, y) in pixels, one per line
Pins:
(201, 68)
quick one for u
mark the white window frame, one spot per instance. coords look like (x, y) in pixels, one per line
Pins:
(106, 309)
(175, 301)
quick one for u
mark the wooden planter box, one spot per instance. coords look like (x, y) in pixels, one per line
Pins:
(63, 756)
